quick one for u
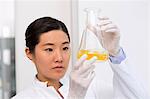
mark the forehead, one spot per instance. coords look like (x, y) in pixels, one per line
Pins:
(54, 36)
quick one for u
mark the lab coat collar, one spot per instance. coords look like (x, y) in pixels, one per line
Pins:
(63, 89)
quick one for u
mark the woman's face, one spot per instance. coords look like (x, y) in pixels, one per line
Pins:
(51, 55)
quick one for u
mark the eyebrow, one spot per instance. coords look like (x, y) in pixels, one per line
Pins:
(66, 42)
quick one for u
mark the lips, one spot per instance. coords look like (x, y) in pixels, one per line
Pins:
(58, 67)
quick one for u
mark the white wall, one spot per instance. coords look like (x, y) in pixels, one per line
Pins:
(26, 12)
(149, 39)
(131, 16)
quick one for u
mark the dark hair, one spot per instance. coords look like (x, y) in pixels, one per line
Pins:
(40, 26)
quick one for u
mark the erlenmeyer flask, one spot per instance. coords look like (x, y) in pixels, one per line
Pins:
(90, 44)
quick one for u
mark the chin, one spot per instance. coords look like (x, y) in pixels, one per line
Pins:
(59, 76)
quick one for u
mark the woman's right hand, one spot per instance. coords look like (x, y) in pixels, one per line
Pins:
(81, 76)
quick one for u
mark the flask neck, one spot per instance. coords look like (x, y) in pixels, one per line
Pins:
(90, 18)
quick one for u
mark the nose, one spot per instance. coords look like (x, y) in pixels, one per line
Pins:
(58, 56)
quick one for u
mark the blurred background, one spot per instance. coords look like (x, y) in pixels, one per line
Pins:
(17, 71)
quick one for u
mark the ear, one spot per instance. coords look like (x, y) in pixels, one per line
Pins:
(28, 53)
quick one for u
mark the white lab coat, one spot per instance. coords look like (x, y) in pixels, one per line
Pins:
(125, 86)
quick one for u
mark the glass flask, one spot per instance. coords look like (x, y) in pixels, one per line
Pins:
(90, 44)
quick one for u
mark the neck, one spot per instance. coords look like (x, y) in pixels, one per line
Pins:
(50, 82)
(56, 84)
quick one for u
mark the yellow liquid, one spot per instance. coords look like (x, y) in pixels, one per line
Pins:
(101, 56)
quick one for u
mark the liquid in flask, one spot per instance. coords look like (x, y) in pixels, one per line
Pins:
(90, 44)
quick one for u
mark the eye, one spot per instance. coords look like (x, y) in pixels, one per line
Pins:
(65, 48)
(49, 49)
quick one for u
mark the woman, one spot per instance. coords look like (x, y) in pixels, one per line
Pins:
(48, 47)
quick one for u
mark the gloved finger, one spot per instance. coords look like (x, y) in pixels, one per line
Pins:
(103, 18)
(112, 30)
(85, 70)
(104, 22)
(86, 73)
(80, 61)
(87, 65)
(91, 61)
(108, 26)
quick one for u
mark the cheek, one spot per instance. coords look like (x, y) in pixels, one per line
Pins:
(66, 58)
(44, 66)
(43, 61)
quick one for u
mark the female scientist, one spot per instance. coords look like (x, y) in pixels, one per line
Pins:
(48, 47)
